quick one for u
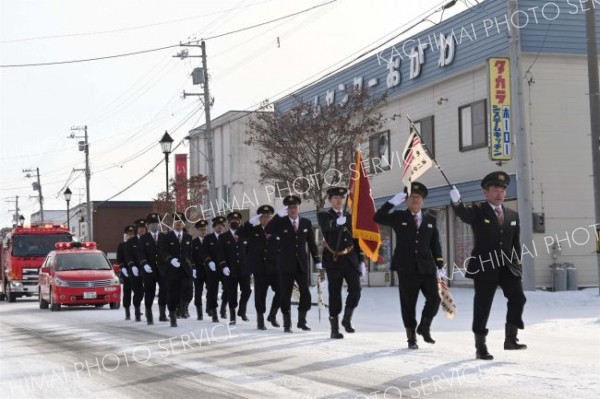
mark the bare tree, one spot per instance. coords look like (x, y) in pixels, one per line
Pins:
(197, 193)
(306, 147)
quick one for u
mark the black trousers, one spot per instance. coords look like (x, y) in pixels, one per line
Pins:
(223, 290)
(409, 286)
(286, 286)
(261, 286)
(137, 287)
(126, 292)
(187, 289)
(199, 289)
(231, 292)
(512, 287)
(150, 281)
(335, 279)
(174, 289)
(162, 290)
(212, 289)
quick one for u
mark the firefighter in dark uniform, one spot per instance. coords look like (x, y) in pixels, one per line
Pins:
(211, 243)
(262, 260)
(148, 255)
(343, 261)
(232, 253)
(495, 260)
(175, 249)
(132, 256)
(198, 265)
(293, 233)
(416, 260)
(129, 231)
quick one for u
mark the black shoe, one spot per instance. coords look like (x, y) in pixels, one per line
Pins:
(181, 311)
(424, 329)
(138, 314)
(260, 321)
(173, 320)
(273, 319)
(302, 321)
(186, 310)
(127, 313)
(162, 313)
(482, 351)
(287, 323)
(243, 316)
(511, 342)
(223, 310)
(199, 312)
(412, 338)
(215, 317)
(335, 328)
(149, 317)
(232, 318)
(347, 320)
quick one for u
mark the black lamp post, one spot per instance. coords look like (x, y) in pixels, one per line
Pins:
(67, 195)
(21, 220)
(165, 144)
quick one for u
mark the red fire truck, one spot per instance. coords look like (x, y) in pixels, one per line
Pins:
(23, 252)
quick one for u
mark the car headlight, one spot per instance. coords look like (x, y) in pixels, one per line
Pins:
(115, 280)
(16, 284)
(60, 283)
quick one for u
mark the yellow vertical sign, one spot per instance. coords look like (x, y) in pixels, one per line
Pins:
(499, 109)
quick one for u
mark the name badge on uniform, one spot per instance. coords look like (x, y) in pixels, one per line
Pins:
(172, 243)
(403, 223)
(245, 242)
(255, 235)
(429, 226)
(513, 223)
(486, 220)
(285, 231)
(305, 230)
(212, 243)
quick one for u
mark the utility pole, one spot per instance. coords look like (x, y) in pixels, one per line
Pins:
(16, 215)
(200, 76)
(85, 147)
(521, 151)
(594, 93)
(37, 187)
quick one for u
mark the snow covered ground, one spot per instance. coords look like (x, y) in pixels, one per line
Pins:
(85, 353)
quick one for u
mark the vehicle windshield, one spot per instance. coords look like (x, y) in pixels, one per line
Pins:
(36, 244)
(82, 261)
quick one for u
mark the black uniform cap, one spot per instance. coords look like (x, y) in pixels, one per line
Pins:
(265, 209)
(292, 200)
(341, 191)
(152, 218)
(234, 215)
(129, 229)
(419, 188)
(140, 223)
(201, 223)
(499, 178)
(217, 220)
(178, 216)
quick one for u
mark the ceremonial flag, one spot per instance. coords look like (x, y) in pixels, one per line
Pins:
(415, 160)
(360, 201)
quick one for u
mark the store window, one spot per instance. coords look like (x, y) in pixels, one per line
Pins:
(379, 151)
(472, 125)
(425, 129)
(384, 260)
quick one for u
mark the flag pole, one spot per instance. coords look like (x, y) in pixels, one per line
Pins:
(437, 165)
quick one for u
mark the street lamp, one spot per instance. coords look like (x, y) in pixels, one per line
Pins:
(165, 144)
(67, 195)
(21, 220)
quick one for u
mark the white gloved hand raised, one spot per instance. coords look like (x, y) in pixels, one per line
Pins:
(397, 199)
(212, 266)
(255, 220)
(455, 195)
(363, 269)
(283, 211)
(226, 271)
(175, 262)
(341, 220)
(135, 270)
(147, 268)
(124, 271)
(194, 274)
(319, 266)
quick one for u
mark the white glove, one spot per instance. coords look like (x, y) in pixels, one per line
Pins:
(319, 266)
(255, 220)
(135, 270)
(397, 199)
(441, 274)
(212, 266)
(341, 220)
(226, 271)
(194, 274)
(147, 268)
(175, 262)
(455, 195)
(282, 212)
(363, 269)
(124, 271)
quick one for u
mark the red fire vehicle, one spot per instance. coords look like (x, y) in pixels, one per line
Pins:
(75, 274)
(23, 251)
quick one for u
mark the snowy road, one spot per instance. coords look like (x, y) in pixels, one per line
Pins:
(85, 353)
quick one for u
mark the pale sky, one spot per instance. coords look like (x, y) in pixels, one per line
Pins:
(127, 103)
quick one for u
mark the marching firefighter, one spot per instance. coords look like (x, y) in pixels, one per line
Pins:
(262, 261)
(132, 256)
(198, 265)
(293, 233)
(211, 242)
(418, 252)
(231, 254)
(342, 260)
(496, 232)
(149, 261)
(175, 250)
(129, 231)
